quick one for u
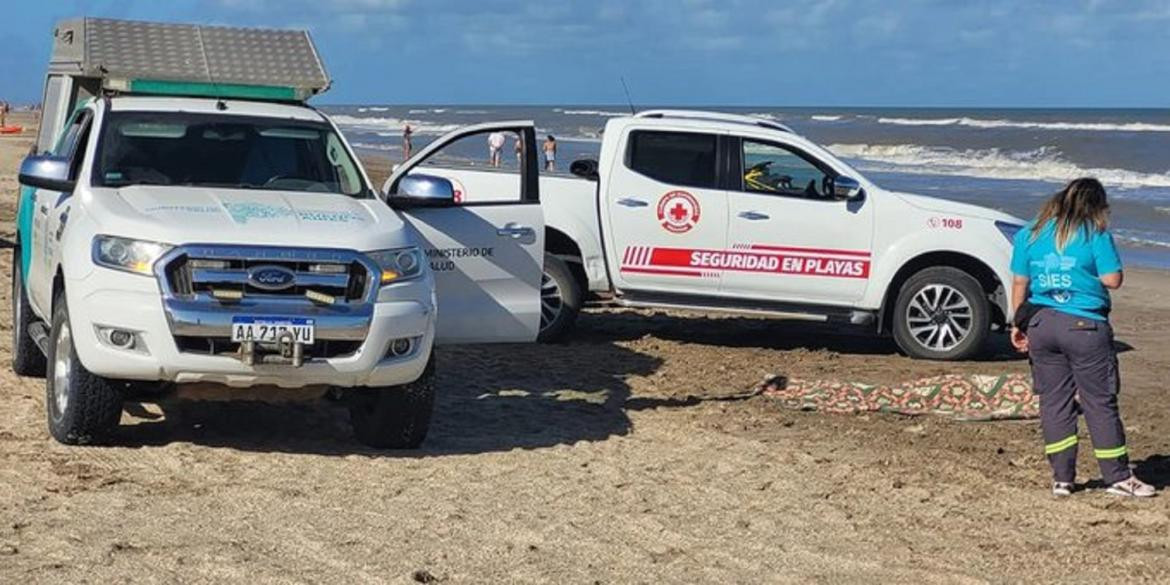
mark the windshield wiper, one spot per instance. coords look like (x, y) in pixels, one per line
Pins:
(139, 183)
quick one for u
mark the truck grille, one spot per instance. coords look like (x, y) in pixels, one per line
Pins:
(205, 286)
(343, 281)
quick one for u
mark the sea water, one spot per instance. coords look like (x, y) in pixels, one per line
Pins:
(1007, 159)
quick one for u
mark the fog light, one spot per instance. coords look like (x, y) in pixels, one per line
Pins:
(400, 346)
(121, 338)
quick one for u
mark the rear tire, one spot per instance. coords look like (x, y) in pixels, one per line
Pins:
(394, 417)
(82, 408)
(27, 358)
(560, 300)
(941, 313)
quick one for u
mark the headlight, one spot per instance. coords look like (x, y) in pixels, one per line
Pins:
(398, 264)
(1009, 230)
(125, 254)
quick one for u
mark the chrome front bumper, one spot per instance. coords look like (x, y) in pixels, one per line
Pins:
(210, 318)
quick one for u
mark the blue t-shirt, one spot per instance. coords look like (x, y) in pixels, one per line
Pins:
(1068, 280)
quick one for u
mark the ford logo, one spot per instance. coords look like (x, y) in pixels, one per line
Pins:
(271, 277)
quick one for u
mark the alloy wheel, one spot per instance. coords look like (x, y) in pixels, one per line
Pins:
(551, 302)
(62, 368)
(939, 317)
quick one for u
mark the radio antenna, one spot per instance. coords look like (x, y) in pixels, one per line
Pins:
(628, 100)
(219, 103)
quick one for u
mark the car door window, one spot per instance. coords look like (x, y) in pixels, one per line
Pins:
(685, 159)
(771, 168)
(71, 143)
(483, 167)
(71, 135)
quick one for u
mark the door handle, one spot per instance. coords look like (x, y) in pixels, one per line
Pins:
(516, 232)
(753, 215)
(631, 202)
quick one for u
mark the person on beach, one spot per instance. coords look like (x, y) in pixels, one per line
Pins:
(550, 153)
(407, 143)
(3, 114)
(496, 142)
(1065, 263)
(519, 149)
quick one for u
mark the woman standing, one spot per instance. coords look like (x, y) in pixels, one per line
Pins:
(1064, 263)
(407, 141)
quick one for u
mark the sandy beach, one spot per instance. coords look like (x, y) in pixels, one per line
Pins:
(631, 454)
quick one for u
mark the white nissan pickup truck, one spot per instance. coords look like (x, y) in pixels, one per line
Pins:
(189, 232)
(720, 212)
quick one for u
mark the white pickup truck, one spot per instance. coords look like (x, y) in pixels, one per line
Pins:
(191, 232)
(719, 212)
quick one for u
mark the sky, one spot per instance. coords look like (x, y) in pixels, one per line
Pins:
(822, 53)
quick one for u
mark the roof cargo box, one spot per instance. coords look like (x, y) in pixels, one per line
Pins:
(153, 57)
(92, 55)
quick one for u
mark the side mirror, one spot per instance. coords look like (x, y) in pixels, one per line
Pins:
(847, 189)
(43, 171)
(419, 190)
(585, 168)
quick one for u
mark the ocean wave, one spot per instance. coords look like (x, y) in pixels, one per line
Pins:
(373, 146)
(987, 124)
(373, 109)
(1043, 164)
(1139, 239)
(823, 118)
(591, 113)
(391, 126)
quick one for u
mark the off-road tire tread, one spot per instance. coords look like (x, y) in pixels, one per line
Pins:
(394, 417)
(571, 296)
(96, 404)
(27, 358)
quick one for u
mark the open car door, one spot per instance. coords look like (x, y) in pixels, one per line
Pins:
(476, 212)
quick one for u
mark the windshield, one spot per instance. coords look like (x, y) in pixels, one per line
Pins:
(226, 151)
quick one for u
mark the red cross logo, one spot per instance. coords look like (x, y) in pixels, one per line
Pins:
(678, 211)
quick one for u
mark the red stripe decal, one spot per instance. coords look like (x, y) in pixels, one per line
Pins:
(662, 271)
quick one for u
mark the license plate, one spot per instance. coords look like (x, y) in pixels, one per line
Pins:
(269, 329)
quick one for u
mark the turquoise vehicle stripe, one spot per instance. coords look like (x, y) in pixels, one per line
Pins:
(24, 216)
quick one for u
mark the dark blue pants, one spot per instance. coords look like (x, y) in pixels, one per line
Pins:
(1074, 370)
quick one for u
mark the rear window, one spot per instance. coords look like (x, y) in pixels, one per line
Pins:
(679, 158)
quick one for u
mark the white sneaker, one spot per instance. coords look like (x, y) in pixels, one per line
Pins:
(1062, 488)
(1132, 487)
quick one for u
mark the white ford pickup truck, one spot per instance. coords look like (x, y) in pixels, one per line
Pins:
(180, 231)
(710, 211)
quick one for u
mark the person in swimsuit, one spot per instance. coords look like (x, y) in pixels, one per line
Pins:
(496, 142)
(550, 153)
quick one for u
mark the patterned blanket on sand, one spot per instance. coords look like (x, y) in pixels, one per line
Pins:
(963, 397)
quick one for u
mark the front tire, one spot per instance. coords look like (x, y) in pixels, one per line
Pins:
(82, 408)
(27, 358)
(560, 300)
(941, 313)
(394, 417)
